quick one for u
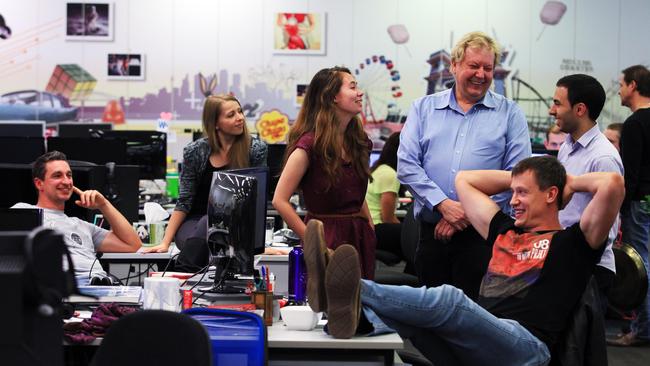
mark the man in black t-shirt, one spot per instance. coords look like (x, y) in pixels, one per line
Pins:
(535, 278)
(635, 152)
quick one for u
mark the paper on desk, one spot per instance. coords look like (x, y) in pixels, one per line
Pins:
(154, 213)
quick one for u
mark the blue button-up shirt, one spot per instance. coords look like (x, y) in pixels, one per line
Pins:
(591, 153)
(439, 140)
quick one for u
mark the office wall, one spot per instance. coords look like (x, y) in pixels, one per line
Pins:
(234, 41)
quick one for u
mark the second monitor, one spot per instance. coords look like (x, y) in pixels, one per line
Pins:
(146, 149)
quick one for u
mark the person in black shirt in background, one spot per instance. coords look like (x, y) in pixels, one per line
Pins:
(635, 152)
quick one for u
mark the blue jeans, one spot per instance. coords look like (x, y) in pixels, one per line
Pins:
(475, 336)
(636, 232)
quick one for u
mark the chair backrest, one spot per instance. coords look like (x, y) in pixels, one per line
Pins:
(155, 337)
(238, 338)
(410, 236)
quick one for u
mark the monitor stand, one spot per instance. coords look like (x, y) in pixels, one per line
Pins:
(220, 285)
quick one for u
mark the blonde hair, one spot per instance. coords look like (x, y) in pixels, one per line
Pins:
(318, 115)
(554, 129)
(475, 40)
(238, 155)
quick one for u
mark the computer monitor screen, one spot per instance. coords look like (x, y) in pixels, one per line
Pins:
(35, 283)
(24, 219)
(274, 160)
(94, 150)
(19, 150)
(18, 186)
(83, 129)
(232, 219)
(22, 128)
(148, 149)
(261, 174)
(374, 156)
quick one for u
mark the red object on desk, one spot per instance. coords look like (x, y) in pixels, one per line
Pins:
(187, 299)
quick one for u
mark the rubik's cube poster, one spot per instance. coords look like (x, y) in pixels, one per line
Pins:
(71, 81)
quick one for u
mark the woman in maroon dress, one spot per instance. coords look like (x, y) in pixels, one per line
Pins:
(327, 158)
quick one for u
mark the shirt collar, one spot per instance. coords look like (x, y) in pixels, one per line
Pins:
(585, 139)
(448, 100)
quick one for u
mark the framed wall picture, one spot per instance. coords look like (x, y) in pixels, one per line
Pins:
(299, 33)
(125, 66)
(301, 89)
(89, 21)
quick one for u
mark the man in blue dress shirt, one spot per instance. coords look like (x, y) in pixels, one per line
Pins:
(464, 128)
(577, 103)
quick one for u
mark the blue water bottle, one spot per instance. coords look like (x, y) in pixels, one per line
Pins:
(297, 276)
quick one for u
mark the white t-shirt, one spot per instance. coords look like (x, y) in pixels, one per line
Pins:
(82, 238)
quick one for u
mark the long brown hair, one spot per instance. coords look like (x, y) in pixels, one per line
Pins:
(238, 155)
(318, 115)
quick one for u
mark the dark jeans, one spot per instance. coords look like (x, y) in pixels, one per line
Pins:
(191, 240)
(461, 262)
(193, 227)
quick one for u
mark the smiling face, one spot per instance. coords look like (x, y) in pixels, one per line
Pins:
(56, 188)
(529, 202)
(473, 74)
(564, 113)
(349, 99)
(231, 119)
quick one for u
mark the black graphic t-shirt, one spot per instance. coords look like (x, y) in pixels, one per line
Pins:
(536, 278)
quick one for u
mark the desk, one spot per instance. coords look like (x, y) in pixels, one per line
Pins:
(299, 347)
(293, 347)
(159, 259)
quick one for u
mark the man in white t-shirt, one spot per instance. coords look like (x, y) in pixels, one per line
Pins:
(52, 178)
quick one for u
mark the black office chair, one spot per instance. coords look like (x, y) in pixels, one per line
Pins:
(388, 275)
(155, 337)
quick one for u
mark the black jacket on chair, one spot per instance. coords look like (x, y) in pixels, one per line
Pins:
(584, 339)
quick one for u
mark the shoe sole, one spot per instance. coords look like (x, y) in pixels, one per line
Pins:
(342, 284)
(314, 250)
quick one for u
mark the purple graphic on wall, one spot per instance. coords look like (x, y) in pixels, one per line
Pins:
(186, 103)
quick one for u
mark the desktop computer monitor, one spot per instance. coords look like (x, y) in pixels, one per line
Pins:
(94, 150)
(32, 277)
(374, 156)
(19, 150)
(232, 226)
(274, 160)
(24, 219)
(22, 128)
(148, 149)
(261, 174)
(83, 129)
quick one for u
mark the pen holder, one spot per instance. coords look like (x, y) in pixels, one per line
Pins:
(264, 300)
